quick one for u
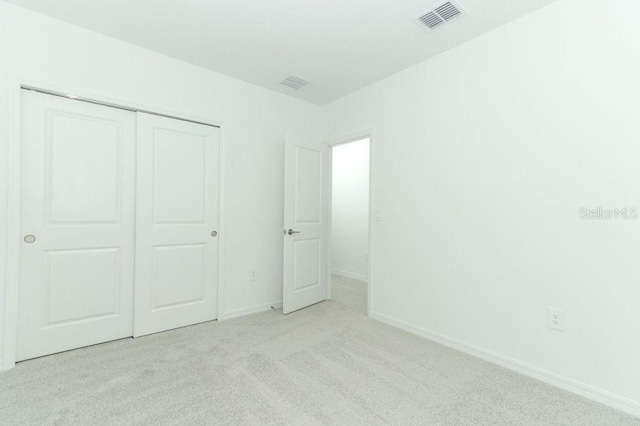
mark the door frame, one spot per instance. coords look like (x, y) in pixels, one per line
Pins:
(12, 276)
(343, 140)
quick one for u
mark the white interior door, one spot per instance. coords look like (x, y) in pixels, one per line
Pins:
(178, 187)
(76, 276)
(305, 222)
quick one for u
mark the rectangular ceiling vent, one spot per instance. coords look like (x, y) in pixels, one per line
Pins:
(431, 20)
(440, 15)
(294, 82)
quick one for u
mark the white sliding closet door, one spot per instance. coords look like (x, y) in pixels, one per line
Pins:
(76, 277)
(176, 223)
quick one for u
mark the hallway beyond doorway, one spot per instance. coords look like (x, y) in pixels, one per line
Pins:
(349, 292)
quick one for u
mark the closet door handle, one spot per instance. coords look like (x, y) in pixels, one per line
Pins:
(291, 232)
(214, 233)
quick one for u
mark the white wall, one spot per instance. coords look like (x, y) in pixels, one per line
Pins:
(483, 156)
(350, 209)
(255, 121)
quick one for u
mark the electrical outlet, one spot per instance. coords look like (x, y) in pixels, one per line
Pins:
(555, 318)
(253, 275)
(376, 215)
(366, 256)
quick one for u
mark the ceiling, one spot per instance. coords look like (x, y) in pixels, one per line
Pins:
(339, 45)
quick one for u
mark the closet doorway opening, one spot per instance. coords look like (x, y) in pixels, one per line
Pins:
(350, 223)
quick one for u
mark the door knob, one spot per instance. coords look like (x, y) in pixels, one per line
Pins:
(29, 239)
(291, 232)
(214, 233)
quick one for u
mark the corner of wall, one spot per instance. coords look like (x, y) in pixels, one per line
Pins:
(347, 274)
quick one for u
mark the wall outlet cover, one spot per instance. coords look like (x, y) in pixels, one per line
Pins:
(555, 318)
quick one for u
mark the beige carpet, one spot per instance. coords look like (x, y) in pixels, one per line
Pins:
(350, 293)
(327, 364)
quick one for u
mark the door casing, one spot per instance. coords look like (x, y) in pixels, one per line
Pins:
(12, 277)
(352, 137)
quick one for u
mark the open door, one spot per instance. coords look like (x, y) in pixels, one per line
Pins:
(305, 224)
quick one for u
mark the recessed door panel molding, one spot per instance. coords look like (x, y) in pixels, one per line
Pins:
(77, 219)
(84, 180)
(81, 284)
(179, 175)
(307, 258)
(308, 189)
(178, 187)
(305, 224)
(178, 275)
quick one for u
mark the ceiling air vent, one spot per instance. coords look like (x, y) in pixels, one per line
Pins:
(441, 14)
(294, 82)
(448, 11)
(431, 20)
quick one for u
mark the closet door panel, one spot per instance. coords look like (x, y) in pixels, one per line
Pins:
(78, 201)
(176, 223)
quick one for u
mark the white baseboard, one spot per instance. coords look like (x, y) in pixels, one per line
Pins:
(351, 275)
(591, 392)
(252, 310)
